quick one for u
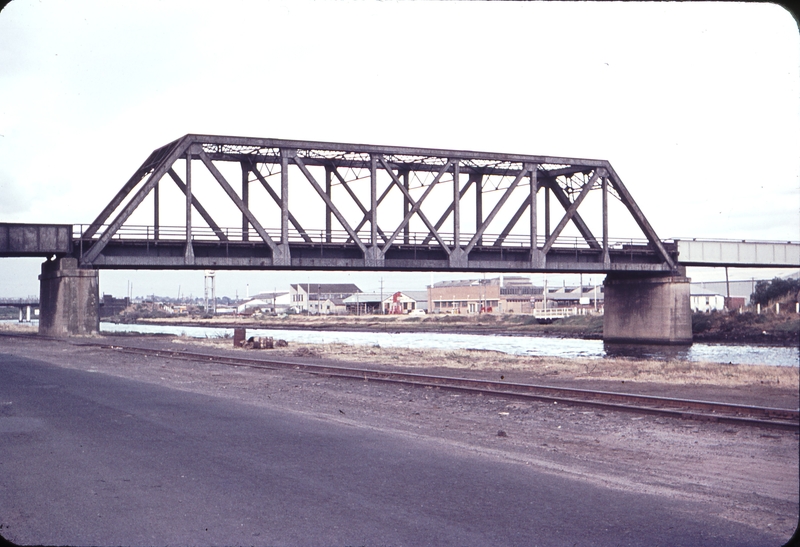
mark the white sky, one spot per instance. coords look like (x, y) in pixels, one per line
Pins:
(696, 105)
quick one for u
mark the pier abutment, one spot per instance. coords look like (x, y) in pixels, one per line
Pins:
(69, 299)
(647, 309)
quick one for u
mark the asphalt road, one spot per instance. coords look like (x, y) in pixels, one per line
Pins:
(90, 459)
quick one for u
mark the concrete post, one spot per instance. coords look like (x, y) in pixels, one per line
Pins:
(68, 299)
(647, 310)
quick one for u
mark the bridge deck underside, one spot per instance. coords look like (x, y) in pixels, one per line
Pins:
(128, 254)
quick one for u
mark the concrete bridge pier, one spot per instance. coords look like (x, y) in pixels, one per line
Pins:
(647, 309)
(69, 299)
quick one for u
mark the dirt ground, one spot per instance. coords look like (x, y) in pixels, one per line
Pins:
(748, 475)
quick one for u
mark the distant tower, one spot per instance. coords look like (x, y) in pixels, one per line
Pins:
(210, 274)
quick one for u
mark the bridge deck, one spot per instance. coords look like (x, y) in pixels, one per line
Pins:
(137, 248)
(706, 252)
(165, 254)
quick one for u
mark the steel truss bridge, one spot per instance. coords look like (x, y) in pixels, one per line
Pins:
(356, 228)
(335, 206)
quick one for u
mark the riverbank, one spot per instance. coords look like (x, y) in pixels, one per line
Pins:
(585, 326)
(746, 328)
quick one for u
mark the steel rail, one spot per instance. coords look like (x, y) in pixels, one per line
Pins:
(709, 411)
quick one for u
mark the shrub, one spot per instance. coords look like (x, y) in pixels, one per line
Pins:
(768, 291)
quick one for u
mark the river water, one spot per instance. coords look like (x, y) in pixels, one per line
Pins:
(516, 345)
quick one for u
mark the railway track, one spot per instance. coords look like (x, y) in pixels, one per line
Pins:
(765, 417)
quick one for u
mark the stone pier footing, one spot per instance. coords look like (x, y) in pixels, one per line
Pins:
(647, 310)
(68, 298)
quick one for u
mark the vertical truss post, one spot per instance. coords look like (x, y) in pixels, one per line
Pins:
(547, 211)
(285, 155)
(155, 212)
(606, 257)
(406, 205)
(281, 255)
(374, 255)
(537, 258)
(373, 201)
(477, 179)
(188, 255)
(458, 257)
(246, 201)
(328, 191)
(456, 208)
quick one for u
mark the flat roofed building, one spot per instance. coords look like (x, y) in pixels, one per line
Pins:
(513, 294)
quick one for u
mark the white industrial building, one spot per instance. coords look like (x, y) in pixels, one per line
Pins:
(705, 301)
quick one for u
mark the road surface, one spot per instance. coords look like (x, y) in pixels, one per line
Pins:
(92, 459)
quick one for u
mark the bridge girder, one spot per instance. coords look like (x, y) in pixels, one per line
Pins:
(358, 231)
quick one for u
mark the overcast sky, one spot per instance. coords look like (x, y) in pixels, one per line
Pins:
(696, 105)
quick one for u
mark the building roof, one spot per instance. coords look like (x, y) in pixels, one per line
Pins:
(419, 296)
(703, 292)
(466, 282)
(367, 297)
(374, 297)
(327, 288)
(268, 295)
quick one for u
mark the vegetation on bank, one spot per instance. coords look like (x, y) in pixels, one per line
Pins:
(779, 290)
(748, 327)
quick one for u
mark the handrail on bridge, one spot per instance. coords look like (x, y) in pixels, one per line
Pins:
(322, 237)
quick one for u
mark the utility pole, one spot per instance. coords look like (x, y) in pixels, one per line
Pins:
(727, 285)
(544, 293)
(381, 296)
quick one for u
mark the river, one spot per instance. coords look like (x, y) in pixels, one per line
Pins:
(515, 345)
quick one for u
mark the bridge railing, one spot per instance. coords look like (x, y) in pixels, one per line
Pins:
(31, 300)
(342, 237)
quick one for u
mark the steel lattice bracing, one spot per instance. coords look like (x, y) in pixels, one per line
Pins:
(377, 207)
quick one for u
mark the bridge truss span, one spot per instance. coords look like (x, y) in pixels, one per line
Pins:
(316, 205)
